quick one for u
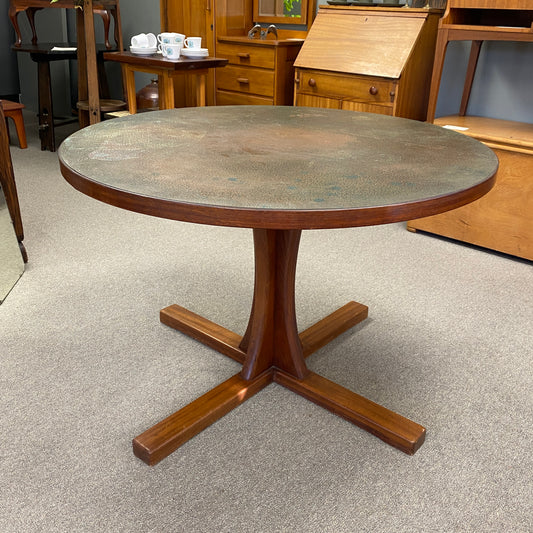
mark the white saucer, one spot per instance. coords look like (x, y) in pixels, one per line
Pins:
(143, 51)
(194, 52)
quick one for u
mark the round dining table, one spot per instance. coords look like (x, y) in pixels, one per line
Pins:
(276, 170)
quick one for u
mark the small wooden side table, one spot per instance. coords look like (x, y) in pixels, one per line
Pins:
(166, 70)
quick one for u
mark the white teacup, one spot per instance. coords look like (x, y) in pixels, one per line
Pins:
(193, 42)
(140, 41)
(171, 38)
(170, 51)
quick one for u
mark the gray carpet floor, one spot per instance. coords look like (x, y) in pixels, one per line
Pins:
(85, 366)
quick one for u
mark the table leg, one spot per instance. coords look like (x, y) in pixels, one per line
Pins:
(166, 90)
(165, 437)
(130, 89)
(13, 16)
(390, 427)
(272, 350)
(46, 112)
(200, 88)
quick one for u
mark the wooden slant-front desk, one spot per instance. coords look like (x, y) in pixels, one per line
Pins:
(503, 219)
(372, 59)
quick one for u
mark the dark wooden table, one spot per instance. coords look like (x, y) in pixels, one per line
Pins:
(166, 70)
(278, 170)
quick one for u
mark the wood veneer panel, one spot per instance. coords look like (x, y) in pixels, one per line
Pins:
(360, 46)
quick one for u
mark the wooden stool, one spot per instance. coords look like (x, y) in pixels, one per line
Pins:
(14, 110)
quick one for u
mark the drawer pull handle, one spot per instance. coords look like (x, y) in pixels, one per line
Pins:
(373, 90)
(312, 82)
(243, 55)
(243, 80)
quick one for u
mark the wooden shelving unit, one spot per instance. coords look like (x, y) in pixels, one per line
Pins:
(502, 220)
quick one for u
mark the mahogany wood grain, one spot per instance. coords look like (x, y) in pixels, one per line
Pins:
(331, 326)
(390, 427)
(162, 439)
(217, 337)
(272, 337)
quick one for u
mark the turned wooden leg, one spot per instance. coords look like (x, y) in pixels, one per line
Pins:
(30, 13)
(106, 19)
(13, 14)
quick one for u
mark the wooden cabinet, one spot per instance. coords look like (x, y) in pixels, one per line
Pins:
(206, 19)
(501, 220)
(259, 71)
(375, 59)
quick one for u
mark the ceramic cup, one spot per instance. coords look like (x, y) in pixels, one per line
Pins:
(193, 42)
(171, 51)
(140, 41)
(171, 38)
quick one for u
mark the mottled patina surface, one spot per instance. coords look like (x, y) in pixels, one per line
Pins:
(279, 158)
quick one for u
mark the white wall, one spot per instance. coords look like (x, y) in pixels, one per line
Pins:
(503, 85)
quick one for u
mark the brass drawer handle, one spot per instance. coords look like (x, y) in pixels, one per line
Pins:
(243, 80)
(243, 55)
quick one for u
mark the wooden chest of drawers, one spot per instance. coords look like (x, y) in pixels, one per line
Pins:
(345, 91)
(377, 60)
(259, 71)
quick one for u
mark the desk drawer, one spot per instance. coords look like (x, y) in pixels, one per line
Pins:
(362, 88)
(246, 80)
(247, 55)
(230, 98)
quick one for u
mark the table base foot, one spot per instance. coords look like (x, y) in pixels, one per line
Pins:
(201, 329)
(331, 326)
(390, 427)
(165, 437)
(162, 439)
